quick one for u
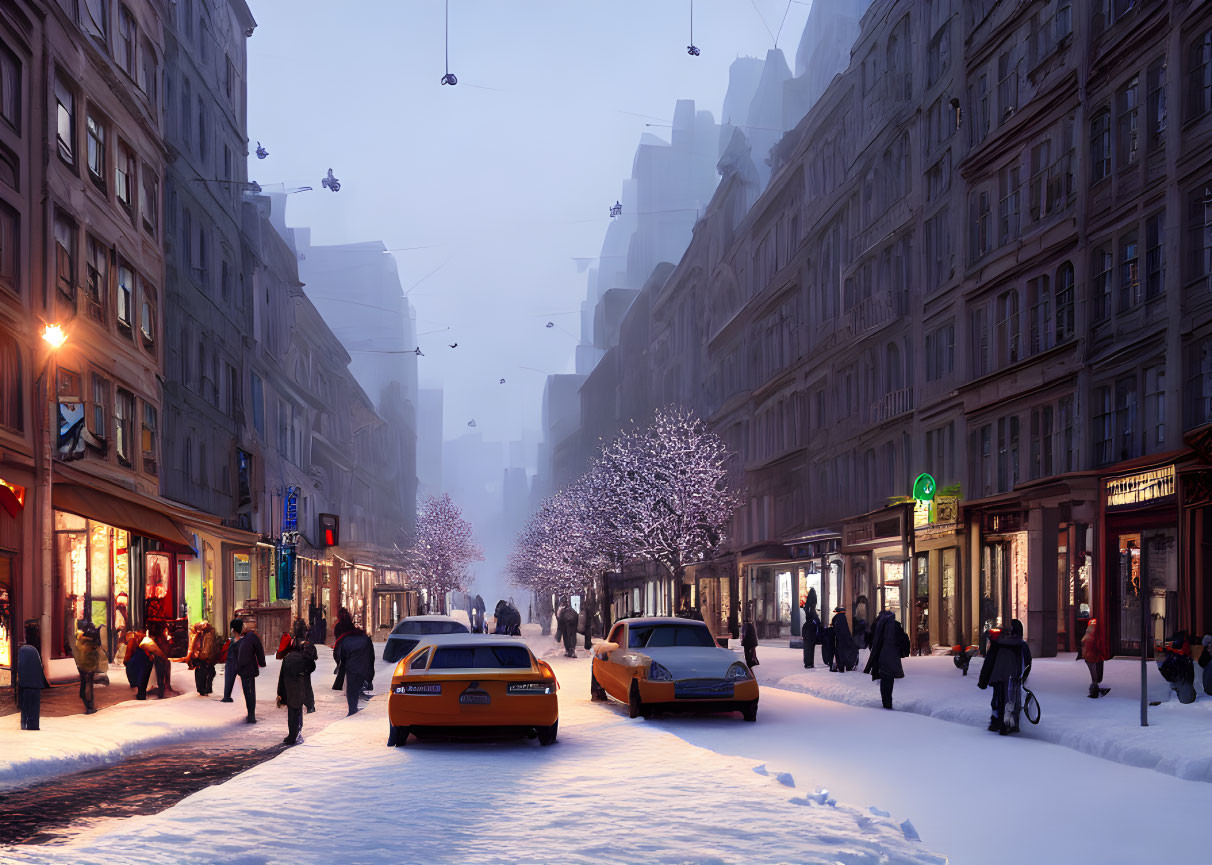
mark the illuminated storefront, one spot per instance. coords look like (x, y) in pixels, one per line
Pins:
(1141, 518)
(12, 512)
(877, 548)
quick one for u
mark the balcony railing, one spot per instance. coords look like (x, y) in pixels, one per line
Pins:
(892, 404)
(875, 311)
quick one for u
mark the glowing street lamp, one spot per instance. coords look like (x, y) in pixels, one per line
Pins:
(54, 336)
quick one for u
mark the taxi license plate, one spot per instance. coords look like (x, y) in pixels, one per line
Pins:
(475, 698)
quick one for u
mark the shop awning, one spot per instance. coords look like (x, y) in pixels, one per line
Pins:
(120, 513)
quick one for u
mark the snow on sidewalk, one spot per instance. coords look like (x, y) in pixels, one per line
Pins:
(77, 742)
(610, 790)
(1176, 742)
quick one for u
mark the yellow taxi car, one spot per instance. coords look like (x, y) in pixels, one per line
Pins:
(668, 664)
(472, 685)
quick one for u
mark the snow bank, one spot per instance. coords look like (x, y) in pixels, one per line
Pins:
(611, 790)
(78, 742)
(1175, 742)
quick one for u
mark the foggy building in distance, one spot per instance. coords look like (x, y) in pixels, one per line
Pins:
(356, 287)
(429, 442)
(316, 432)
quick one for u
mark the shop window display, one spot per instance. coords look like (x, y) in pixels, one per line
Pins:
(93, 562)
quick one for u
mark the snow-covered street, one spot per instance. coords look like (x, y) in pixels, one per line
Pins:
(673, 789)
(611, 790)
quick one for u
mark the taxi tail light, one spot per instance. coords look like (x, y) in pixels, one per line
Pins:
(544, 687)
(545, 669)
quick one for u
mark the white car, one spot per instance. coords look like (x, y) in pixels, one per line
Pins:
(405, 636)
(669, 664)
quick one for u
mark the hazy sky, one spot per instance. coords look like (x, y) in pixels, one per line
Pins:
(508, 175)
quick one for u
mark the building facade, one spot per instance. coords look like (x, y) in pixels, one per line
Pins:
(960, 268)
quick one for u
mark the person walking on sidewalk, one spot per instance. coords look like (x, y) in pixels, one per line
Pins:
(158, 645)
(88, 655)
(1094, 654)
(152, 654)
(567, 628)
(845, 653)
(201, 656)
(297, 668)
(229, 656)
(355, 654)
(811, 630)
(1007, 664)
(298, 641)
(749, 642)
(31, 680)
(250, 658)
(889, 644)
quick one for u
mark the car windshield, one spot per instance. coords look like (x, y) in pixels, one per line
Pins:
(655, 636)
(480, 658)
(414, 627)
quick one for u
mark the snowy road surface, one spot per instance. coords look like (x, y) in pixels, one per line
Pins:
(678, 789)
(612, 790)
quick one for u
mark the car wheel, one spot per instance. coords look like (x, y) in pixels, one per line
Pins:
(547, 735)
(635, 706)
(596, 691)
(398, 737)
(749, 711)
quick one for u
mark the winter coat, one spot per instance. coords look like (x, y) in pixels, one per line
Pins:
(356, 655)
(828, 645)
(202, 645)
(811, 631)
(1091, 650)
(846, 650)
(1205, 661)
(88, 651)
(29, 668)
(1008, 658)
(297, 668)
(885, 659)
(569, 619)
(177, 645)
(749, 640)
(250, 655)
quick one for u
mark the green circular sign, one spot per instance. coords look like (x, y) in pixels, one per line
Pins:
(924, 487)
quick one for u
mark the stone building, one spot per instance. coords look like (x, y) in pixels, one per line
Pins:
(207, 298)
(960, 268)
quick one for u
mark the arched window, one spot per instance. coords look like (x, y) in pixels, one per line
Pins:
(11, 390)
(892, 367)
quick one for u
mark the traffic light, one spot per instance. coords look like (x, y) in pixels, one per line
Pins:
(330, 530)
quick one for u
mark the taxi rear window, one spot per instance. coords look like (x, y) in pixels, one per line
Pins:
(428, 628)
(480, 658)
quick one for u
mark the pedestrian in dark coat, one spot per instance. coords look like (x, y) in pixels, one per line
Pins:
(298, 641)
(230, 655)
(884, 663)
(249, 661)
(749, 641)
(1205, 661)
(1007, 664)
(154, 658)
(501, 617)
(480, 609)
(567, 624)
(88, 655)
(811, 630)
(297, 667)
(31, 679)
(845, 656)
(356, 655)
(828, 646)
(133, 660)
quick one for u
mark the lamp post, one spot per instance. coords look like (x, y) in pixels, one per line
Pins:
(54, 337)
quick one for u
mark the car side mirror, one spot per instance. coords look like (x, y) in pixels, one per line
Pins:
(604, 648)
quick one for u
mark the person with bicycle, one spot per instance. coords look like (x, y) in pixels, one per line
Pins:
(1007, 665)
